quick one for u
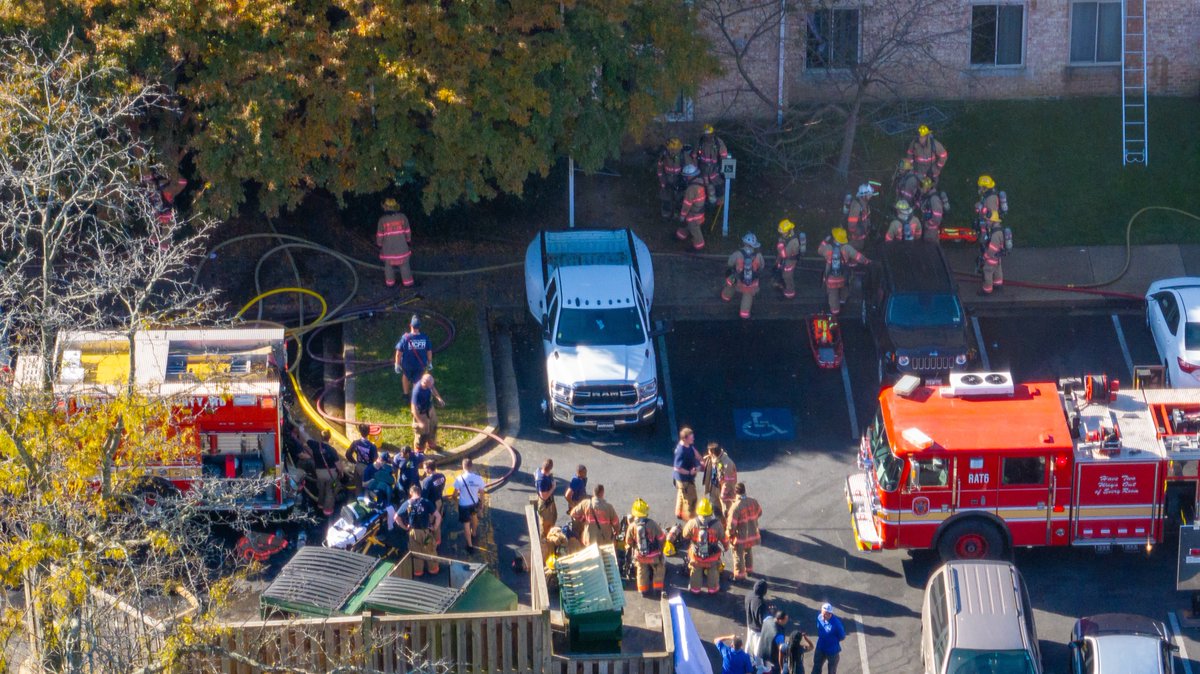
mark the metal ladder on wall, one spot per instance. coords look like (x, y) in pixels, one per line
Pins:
(1135, 120)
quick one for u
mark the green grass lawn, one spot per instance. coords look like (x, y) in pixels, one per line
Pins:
(1060, 162)
(458, 371)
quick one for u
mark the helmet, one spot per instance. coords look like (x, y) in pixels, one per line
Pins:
(690, 170)
(708, 129)
(839, 234)
(926, 183)
(704, 508)
(903, 205)
(906, 164)
(674, 145)
(640, 508)
(993, 217)
(750, 241)
(865, 190)
(985, 181)
(391, 204)
(923, 130)
(551, 562)
(786, 226)
(668, 548)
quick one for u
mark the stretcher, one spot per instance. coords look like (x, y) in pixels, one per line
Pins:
(359, 525)
(825, 337)
(967, 234)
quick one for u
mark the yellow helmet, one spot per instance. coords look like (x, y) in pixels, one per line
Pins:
(708, 128)
(906, 164)
(551, 562)
(923, 130)
(985, 181)
(668, 548)
(390, 204)
(674, 145)
(704, 508)
(839, 234)
(926, 183)
(786, 226)
(640, 508)
(903, 205)
(994, 216)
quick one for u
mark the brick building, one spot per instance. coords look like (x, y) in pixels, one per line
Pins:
(940, 49)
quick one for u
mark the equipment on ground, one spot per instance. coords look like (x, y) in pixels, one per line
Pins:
(825, 338)
(593, 599)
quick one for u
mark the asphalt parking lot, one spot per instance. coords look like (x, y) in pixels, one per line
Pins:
(792, 430)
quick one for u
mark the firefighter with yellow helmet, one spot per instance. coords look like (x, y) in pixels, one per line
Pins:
(645, 540)
(933, 206)
(906, 226)
(706, 535)
(927, 154)
(993, 239)
(709, 153)
(670, 178)
(788, 250)
(906, 183)
(839, 255)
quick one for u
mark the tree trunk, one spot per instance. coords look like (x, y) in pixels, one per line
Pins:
(850, 132)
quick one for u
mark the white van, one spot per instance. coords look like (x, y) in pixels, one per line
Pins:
(976, 620)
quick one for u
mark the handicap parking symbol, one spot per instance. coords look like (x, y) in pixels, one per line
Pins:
(768, 423)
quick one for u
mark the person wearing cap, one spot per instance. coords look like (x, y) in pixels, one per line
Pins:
(839, 255)
(691, 210)
(709, 153)
(644, 539)
(707, 543)
(787, 251)
(425, 423)
(830, 634)
(745, 265)
(414, 354)
(927, 154)
(670, 181)
(393, 235)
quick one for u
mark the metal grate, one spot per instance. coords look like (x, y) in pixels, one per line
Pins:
(932, 363)
(400, 595)
(589, 581)
(318, 580)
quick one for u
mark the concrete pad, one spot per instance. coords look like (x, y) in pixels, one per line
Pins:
(1146, 265)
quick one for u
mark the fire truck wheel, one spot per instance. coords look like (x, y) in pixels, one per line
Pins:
(971, 539)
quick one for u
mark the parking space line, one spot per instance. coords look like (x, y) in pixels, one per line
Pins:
(1177, 637)
(1124, 347)
(850, 401)
(862, 644)
(983, 357)
(669, 401)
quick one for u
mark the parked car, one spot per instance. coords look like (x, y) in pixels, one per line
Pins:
(1173, 314)
(976, 619)
(1120, 643)
(912, 308)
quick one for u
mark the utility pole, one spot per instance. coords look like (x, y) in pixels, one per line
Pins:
(729, 171)
(571, 191)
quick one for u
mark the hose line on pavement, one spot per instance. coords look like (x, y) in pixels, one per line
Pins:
(1129, 245)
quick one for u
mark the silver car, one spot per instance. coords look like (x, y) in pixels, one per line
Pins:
(1120, 643)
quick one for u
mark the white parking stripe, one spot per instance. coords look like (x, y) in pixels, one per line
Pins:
(668, 400)
(862, 644)
(983, 357)
(1124, 347)
(1177, 637)
(850, 401)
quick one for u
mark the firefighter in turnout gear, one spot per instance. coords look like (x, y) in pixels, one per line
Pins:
(787, 250)
(858, 216)
(720, 476)
(670, 180)
(933, 208)
(905, 226)
(839, 255)
(707, 543)
(741, 529)
(991, 235)
(598, 519)
(644, 539)
(691, 210)
(709, 152)
(927, 154)
(745, 266)
(393, 235)
(907, 182)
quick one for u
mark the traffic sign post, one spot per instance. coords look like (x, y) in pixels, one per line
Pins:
(729, 170)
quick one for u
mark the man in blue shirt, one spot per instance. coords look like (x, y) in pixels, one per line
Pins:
(686, 463)
(433, 484)
(577, 491)
(408, 469)
(421, 520)
(424, 416)
(543, 484)
(734, 660)
(414, 355)
(830, 634)
(362, 455)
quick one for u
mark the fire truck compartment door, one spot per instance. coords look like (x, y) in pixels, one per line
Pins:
(926, 499)
(977, 480)
(1117, 502)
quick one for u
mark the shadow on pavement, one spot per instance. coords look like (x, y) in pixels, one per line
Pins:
(819, 551)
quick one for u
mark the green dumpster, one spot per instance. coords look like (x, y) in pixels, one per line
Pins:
(592, 599)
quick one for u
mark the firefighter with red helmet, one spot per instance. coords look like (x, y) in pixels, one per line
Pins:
(691, 210)
(927, 154)
(787, 251)
(933, 207)
(393, 235)
(644, 539)
(839, 255)
(670, 181)
(709, 152)
(707, 538)
(741, 528)
(905, 226)
(745, 266)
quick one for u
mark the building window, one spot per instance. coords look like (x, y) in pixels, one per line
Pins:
(682, 111)
(997, 35)
(832, 40)
(1096, 32)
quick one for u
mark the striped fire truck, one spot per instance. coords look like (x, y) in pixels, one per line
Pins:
(983, 464)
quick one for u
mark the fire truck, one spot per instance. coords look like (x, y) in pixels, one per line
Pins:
(984, 464)
(223, 384)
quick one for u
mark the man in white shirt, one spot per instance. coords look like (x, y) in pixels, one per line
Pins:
(469, 487)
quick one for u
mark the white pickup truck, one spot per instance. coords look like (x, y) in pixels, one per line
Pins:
(591, 290)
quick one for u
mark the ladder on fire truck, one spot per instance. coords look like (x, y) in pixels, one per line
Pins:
(1135, 120)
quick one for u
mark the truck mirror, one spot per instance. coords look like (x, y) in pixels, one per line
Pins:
(545, 329)
(1075, 645)
(661, 328)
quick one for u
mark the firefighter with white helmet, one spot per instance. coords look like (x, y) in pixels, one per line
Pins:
(787, 251)
(393, 235)
(927, 154)
(933, 207)
(839, 254)
(691, 211)
(670, 182)
(905, 226)
(858, 215)
(644, 539)
(707, 538)
(992, 241)
(745, 266)
(709, 153)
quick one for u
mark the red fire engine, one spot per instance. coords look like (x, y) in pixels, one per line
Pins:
(983, 464)
(225, 384)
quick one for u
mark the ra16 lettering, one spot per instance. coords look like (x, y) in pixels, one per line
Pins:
(977, 478)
